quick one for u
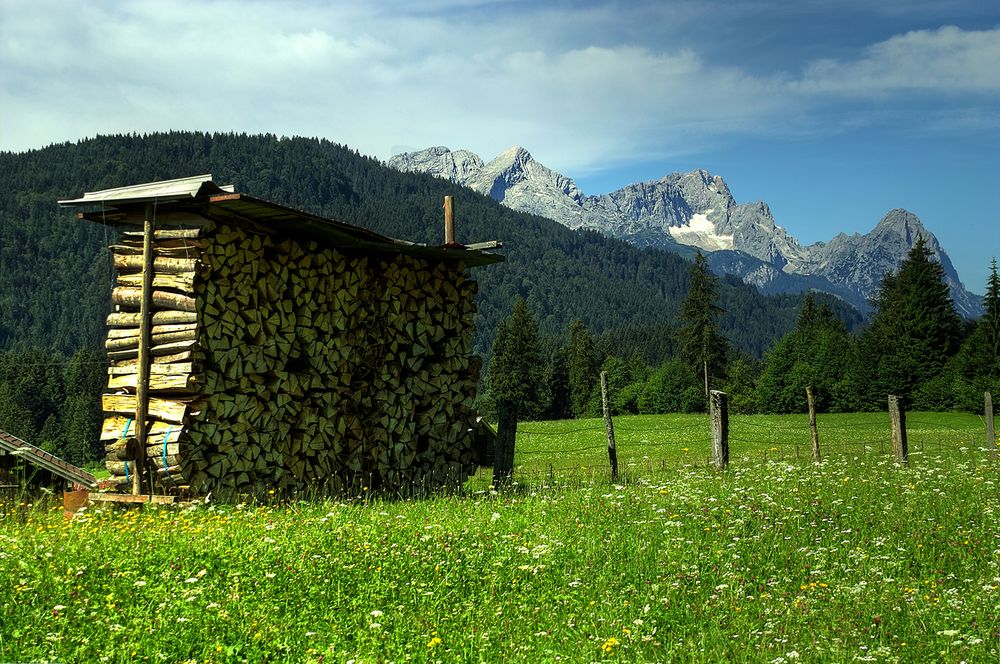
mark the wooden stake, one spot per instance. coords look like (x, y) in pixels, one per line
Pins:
(610, 427)
(449, 220)
(503, 466)
(719, 409)
(812, 422)
(991, 435)
(897, 422)
(145, 334)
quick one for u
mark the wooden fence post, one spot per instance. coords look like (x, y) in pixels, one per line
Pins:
(991, 435)
(503, 465)
(719, 409)
(145, 335)
(897, 422)
(610, 427)
(449, 220)
(812, 422)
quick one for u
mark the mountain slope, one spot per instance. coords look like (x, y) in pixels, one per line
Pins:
(696, 209)
(55, 272)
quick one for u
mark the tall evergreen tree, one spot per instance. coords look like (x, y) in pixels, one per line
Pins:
(978, 363)
(817, 353)
(915, 329)
(82, 413)
(988, 329)
(583, 368)
(515, 370)
(702, 347)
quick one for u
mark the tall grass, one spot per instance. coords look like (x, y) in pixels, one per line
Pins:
(775, 560)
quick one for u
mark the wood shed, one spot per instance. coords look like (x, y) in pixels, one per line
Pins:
(25, 469)
(258, 349)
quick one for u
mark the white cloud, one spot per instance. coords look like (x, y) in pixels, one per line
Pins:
(565, 82)
(947, 60)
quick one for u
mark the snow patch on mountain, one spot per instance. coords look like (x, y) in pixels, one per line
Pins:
(696, 209)
(699, 232)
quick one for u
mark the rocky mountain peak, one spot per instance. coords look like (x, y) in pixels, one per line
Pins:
(455, 165)
(903, 223)
(698, 210)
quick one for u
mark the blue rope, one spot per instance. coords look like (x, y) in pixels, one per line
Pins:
(166, 437)
(128, 423)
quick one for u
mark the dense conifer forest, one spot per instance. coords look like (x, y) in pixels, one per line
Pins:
(56, 276)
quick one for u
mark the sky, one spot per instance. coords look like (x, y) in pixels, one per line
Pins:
(831, 111)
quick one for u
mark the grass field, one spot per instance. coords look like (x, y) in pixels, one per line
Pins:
(777, 559)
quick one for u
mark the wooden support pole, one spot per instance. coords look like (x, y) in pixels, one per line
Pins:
(449, 220)
(609, 426)
(145, 335)
(719, 409)
(812, 422)
(991, 435)
(897, 422)
(503, 466)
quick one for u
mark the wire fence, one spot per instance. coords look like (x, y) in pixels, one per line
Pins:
(548, 453)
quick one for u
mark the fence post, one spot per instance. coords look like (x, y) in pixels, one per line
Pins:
(610, 427)
(719, 410)
(812, 422)
(503, 465)
(991, 434)
(897, 422)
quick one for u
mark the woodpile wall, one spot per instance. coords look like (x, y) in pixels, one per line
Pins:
(282, 365)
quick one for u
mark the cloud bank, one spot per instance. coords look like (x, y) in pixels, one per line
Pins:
(569, 82)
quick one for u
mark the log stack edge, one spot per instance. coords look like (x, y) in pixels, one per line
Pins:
(280, 365)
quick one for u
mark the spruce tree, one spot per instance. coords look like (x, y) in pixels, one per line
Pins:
(979, 360)
(989, 326)
(515, 370)
(915, 329)
(702, 347)
(583, 367)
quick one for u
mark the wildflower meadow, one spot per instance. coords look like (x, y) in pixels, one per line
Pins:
(777, 559)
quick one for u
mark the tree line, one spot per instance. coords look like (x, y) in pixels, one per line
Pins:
(916, 346)
(56, 278)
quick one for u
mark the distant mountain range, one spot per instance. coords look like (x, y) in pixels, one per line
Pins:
(684, 211)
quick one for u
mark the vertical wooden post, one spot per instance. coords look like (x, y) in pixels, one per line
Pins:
(897, 421)
(503, 466)
(142, 383)
(609, 426)
(449, 220)
(812, 422)
(719, 409)
(991, 435)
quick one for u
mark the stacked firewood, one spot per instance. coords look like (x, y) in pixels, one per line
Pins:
(280, 365)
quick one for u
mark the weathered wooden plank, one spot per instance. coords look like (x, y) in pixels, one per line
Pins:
(123, 319)
(125, 333)
(168, 410)
(161, 264)
(132, 297)
(182, 281)
(157, 382)
(163, 338)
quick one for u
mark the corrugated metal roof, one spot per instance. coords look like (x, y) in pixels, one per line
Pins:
(163, 191)
(200, 195)
(39, 457)
(290, 221)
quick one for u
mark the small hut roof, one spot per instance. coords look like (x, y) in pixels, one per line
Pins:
(39, 457)
(201, 195)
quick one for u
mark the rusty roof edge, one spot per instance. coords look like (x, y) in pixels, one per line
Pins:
(40, 457)
(375, 241)
(160, 191)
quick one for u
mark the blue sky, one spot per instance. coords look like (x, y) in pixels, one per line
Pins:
(831, 112)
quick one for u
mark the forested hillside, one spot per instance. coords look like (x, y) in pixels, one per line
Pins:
(55, 276)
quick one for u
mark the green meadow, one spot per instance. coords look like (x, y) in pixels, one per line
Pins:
(778, 559)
